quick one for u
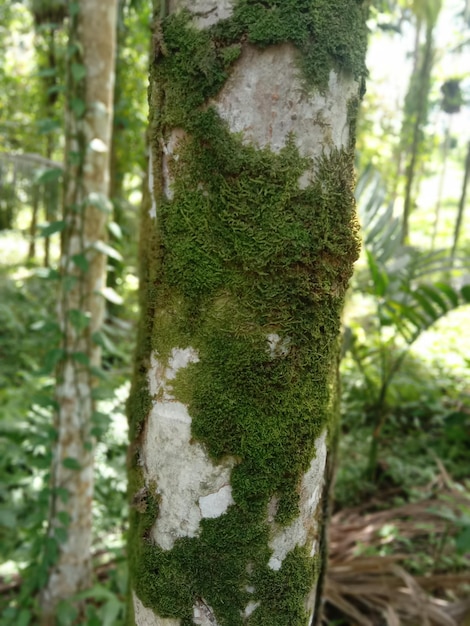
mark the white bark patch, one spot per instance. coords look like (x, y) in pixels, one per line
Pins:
(278, 347)
(153, 208)
(146, 617)
(203, 615)
(206, 12)
(304, 528)
(265, 99)
(250, 608)
(98, 145)
(159, 376)
(170, 154)
(215, 504)
(189, 485)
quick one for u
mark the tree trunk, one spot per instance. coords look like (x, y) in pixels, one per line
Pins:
(418, 97)
(81, 305)
(461, 208)
(442, 177)
(248, 243)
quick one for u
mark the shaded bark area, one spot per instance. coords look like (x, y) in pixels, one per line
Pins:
(248, 244)
(81, 303)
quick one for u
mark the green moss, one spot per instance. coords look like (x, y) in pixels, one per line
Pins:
(284, 591)
(330, 34)
(241, 253)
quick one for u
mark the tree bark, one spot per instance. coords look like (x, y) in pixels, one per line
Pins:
(81, 305)
(248, 240)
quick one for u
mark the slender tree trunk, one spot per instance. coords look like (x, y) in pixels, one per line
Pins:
(462, 202)
(33, 224)
(248, 243)
(81, 307)
(421, 93)
(117, 161)
(402, 143)
(442, 177)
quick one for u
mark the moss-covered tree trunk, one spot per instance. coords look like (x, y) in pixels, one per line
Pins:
(81, 302)
(249, 238)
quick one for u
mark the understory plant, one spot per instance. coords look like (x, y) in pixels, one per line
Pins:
(405, 291)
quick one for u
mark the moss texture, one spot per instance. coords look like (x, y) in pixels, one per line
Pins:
(240, 253)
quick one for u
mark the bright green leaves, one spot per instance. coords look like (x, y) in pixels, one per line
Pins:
(54, 227)
(81, 261)
(72, 464)
(78, 107)
(52, 358)
(78, 71)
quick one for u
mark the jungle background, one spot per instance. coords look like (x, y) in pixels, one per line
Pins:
(400, 527)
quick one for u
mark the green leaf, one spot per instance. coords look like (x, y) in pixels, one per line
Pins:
(63, 494)
(74, 157)
(52, 174)
(102, 340)
(448, 291)
(79, 319)
(74, 9)
(78, 71)
(435, 295)
(48, 125)
(46, 273)
(115, 230)
(66, 614)
(64, 517)
(110, 611)
(104, 248)
(109, 294)
(379, 277)
(78, 106)
(81, 357)
(465, 291)
(50, 550)
(47, 71)
(98, 372)
(462, 541)
(100, 201)
(71, 464)
(100, 418)
(24, 618)
(99, 393)
(56, 89)
(52, 358)
(69, 283)
(81, 262)
(52, 228)
(45, 400)
(61, 534)
(426, 305)
(7, 518)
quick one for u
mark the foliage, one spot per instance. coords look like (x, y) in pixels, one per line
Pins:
(28, 332)
(408, 290)
(412, 409)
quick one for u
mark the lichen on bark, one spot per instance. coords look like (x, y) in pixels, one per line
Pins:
(251, 259)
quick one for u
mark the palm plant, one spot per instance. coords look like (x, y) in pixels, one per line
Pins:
(411, 290)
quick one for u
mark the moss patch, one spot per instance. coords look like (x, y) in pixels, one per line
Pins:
(242, 253)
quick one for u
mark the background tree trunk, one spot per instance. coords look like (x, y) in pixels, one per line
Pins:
(248, 242)
(83, 266)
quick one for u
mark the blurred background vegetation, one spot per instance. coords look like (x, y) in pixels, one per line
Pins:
(402, 496)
